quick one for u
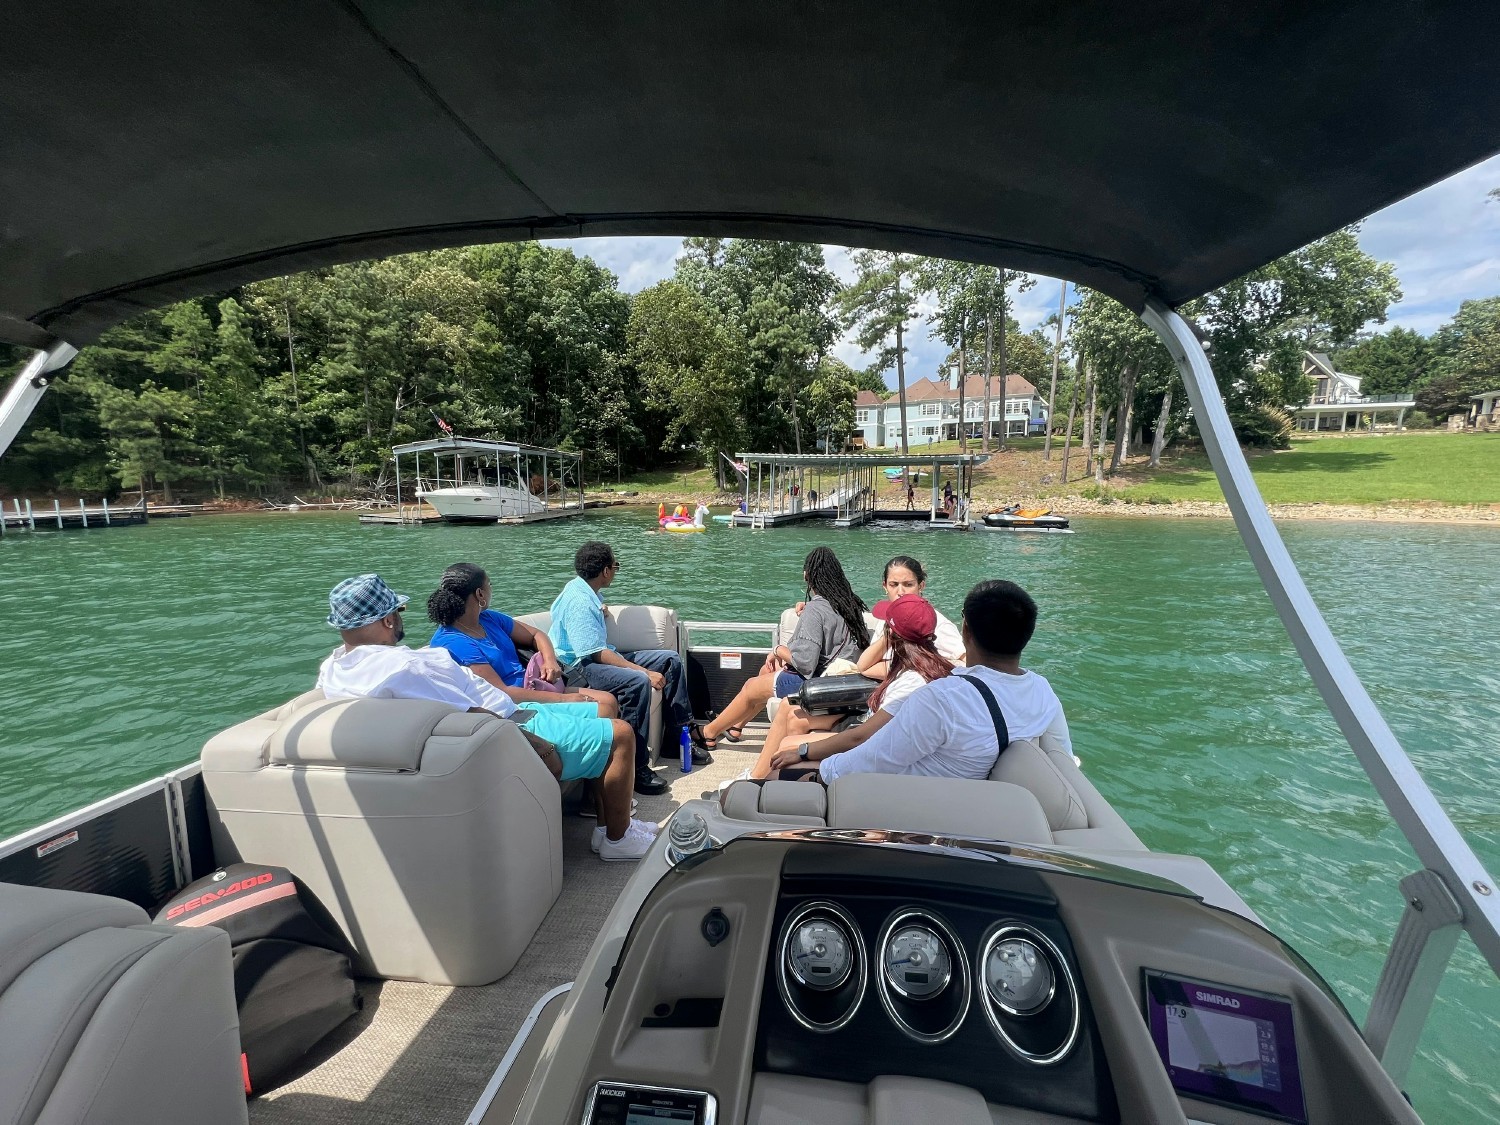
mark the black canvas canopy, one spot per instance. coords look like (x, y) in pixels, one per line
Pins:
(151, 151)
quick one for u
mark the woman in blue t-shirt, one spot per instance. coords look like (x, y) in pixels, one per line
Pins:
(484, 640)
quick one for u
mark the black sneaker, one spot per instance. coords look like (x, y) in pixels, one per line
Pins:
(647, 784)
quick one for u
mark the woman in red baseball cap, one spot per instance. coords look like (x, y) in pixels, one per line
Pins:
(911, 626)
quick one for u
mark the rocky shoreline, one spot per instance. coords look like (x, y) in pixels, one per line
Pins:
(1183, 509)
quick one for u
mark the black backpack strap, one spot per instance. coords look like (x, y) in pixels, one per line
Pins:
(1002, 732)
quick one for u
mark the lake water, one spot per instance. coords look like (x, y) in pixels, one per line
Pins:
(123, 650)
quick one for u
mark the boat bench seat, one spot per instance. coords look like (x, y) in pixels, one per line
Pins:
(432, 835)
(1033, 796)
(105, 1018)
(786, 625)
(629, 628)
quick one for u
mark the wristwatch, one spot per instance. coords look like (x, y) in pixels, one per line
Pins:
(802, 751)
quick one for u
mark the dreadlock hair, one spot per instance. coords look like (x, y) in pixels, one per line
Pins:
(921, 657)
(825, 576)
(459, 583)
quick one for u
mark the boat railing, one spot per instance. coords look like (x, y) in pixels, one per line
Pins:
(1452, 891)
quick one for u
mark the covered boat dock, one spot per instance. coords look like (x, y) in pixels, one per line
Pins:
(500, 481)
(786, 488)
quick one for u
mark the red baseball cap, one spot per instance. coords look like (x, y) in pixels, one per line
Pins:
(910, 616)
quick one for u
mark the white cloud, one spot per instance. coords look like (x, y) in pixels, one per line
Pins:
(1444, 241)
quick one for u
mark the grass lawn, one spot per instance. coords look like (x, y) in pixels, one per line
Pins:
(1443, 467)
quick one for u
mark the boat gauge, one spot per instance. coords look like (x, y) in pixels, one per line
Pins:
(916, 962)
(819, 955)
(1018, 976)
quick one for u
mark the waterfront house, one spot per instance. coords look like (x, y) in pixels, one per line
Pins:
(1337, 402)
(932, 411)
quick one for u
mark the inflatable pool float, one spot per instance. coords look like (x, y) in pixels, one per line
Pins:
(682, 527)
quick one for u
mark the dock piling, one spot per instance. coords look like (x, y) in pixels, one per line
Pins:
(83, 512)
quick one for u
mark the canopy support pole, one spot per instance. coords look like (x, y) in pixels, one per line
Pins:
(28, 388)
(1439, 845)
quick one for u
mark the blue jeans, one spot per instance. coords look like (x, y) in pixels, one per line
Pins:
(632, 691)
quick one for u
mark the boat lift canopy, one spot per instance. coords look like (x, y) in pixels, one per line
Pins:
(1152, 150)
(554, 476)
(789, 487)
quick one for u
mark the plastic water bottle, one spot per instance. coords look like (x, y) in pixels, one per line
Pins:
(687, 835)
(687, 751)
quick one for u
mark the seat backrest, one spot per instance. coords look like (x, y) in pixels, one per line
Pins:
(382, 734)
(628, 627)
(945, 806)
(1076, 811)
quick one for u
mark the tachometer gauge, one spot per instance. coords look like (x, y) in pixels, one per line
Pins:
(818, 955)
(917, 963)
(1018, 976)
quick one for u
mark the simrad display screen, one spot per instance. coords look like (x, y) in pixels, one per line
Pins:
(1226, 1045)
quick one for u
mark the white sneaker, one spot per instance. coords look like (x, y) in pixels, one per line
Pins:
(743, 775)
(628, 848)
(636, 827)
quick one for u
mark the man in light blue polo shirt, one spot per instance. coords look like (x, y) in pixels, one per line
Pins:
(578, 634)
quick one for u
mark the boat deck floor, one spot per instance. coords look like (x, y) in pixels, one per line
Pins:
(423, 1053)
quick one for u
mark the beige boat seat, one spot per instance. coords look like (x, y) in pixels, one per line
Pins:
(105, 1018)
(1033, 795)
(433, 835)
(628, 628)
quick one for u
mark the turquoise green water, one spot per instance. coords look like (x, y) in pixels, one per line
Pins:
(124, 650)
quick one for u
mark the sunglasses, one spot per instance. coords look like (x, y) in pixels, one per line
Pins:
(615, 565)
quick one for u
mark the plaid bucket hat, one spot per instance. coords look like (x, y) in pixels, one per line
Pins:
(356, 602)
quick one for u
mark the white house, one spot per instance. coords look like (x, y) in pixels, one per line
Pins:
(932, 411)
(1337, 402)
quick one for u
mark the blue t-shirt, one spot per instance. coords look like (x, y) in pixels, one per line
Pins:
(577, 628)
(497, 649)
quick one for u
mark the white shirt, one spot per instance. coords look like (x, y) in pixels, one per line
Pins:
(944, 729)
(949, 642)
(899, 690)
(398, 672)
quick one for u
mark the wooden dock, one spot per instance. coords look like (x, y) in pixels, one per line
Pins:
(423, 516)
(23, 515)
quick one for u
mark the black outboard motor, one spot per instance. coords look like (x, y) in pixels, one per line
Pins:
(292, 978)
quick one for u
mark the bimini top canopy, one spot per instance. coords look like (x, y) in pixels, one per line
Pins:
(150, 152)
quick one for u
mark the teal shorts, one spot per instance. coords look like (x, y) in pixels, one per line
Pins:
(582, 738)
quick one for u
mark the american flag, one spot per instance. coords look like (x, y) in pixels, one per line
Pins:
(447, 429)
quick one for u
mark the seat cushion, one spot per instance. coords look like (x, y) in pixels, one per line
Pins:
(947, 806)
(777, 802)
(628, 627)
(1024, 763)
(382, 734)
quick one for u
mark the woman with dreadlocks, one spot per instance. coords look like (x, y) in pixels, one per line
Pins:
(830, 627)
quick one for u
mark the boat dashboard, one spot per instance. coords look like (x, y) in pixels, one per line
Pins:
(865, 978)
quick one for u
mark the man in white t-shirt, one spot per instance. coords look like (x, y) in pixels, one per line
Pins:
(372, 663)
(945, 728)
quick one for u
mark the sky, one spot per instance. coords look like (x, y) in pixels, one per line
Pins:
(1444, 241)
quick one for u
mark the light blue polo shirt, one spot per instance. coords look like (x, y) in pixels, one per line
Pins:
(577, 628)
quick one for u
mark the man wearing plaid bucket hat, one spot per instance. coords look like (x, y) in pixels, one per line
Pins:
(372, 663)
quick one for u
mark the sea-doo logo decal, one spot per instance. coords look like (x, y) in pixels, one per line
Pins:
(221, 892)
(1215, 998)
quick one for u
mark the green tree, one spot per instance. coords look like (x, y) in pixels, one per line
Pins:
(1389, 362)
(1466, 361)
(691, 359)
(147, 435)
(878, 307)
(830, 402)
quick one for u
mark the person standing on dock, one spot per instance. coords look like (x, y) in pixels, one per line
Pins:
(579, 636)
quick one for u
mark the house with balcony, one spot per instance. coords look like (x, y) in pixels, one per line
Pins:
(932, 412)
(1338, 404)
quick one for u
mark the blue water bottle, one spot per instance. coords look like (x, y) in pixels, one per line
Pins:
(687, 751)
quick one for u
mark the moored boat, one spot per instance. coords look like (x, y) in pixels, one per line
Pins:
(1017, 518)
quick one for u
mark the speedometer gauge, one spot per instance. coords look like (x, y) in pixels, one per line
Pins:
(818, 954)
(1018, 976)
(916, 962)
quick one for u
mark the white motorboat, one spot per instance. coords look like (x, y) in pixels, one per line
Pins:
(480, 503)
(892, 950)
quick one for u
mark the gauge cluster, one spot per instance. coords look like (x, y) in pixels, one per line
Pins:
(922, 977)
(959, 984)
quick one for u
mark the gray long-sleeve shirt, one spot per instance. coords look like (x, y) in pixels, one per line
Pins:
(821, 636)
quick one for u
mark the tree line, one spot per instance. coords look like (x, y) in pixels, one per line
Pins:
(305, 382)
